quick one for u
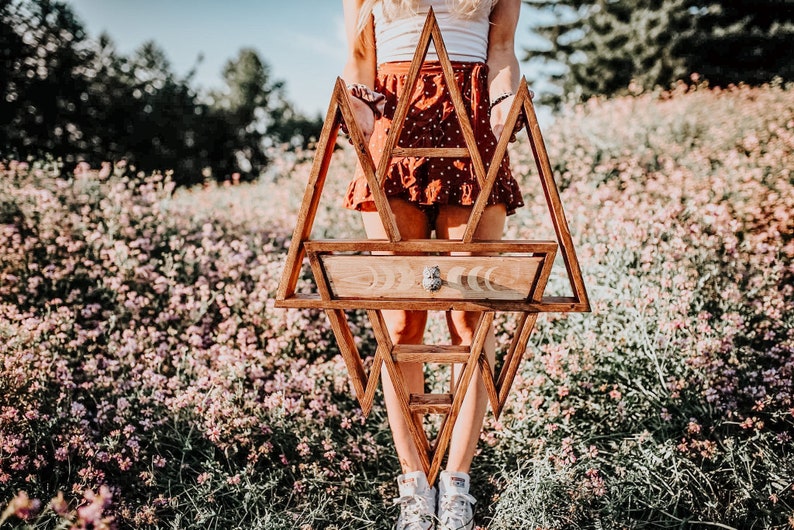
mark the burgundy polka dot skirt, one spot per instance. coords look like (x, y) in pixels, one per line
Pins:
(432, 122)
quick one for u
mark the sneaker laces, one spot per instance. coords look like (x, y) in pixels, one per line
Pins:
(415, 512)
(456, 509)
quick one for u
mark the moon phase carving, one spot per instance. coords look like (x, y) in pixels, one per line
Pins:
(401, 277)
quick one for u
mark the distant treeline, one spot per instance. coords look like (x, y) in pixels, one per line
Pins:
(78, 99)
(603, 47)
(65, 95)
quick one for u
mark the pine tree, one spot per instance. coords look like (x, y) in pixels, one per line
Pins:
(749, 41)
(65, 95)
(606, 44)
(40, 50)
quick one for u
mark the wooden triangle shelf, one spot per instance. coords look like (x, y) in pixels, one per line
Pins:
(499, 275)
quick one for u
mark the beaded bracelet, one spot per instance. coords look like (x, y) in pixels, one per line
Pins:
(498, 99)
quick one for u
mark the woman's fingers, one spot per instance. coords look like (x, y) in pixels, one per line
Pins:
(499, 117)
(365, 118)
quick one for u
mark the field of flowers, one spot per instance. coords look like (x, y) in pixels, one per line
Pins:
(147, 381)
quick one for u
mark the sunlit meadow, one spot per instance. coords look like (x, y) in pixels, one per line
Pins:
(147, 381)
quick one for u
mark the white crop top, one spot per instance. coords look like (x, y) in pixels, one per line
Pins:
(466, 39)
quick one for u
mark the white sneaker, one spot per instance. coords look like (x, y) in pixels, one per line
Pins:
(454, 502)
(417, 502)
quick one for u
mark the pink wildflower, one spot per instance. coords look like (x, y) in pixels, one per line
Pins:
(59, 505)
(21, 506)
(89, 516)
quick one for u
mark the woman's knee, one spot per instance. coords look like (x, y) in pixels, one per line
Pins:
(462, 325)
(406, 327)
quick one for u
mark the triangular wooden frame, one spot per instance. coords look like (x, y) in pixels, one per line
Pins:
(522, 107)
(364, 384)
(432, 453)
(339, 112)
(431, 31)
(389, 355)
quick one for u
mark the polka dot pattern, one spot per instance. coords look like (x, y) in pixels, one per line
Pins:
(431, 122)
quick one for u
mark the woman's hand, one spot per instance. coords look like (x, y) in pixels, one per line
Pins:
(367, 106)
(499, 114)
(365, 119)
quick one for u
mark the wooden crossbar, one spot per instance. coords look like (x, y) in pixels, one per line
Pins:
(430, 353)
(431, 152)
(431, 246)
(430, 403)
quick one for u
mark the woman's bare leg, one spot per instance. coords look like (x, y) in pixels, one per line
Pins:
(405, 327)
(451, 224)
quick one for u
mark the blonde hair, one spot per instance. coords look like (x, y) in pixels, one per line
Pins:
(394, 9)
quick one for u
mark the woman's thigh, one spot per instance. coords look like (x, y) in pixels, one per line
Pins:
(451, 224)
(412, 222)
(452, 219)
(406, 327)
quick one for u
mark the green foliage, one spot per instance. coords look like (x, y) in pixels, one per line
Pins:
(742, 41)
(606, 45)
(40, 51)
(76, 99)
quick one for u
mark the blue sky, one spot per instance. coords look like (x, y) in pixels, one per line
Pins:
(302, 40)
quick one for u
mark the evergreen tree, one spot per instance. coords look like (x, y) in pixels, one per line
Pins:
(40, 45)
(606, 44)
(136, 108)
(243, 104)
(751, 41)
(257, 107)
(163, 114)
(71, 97)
